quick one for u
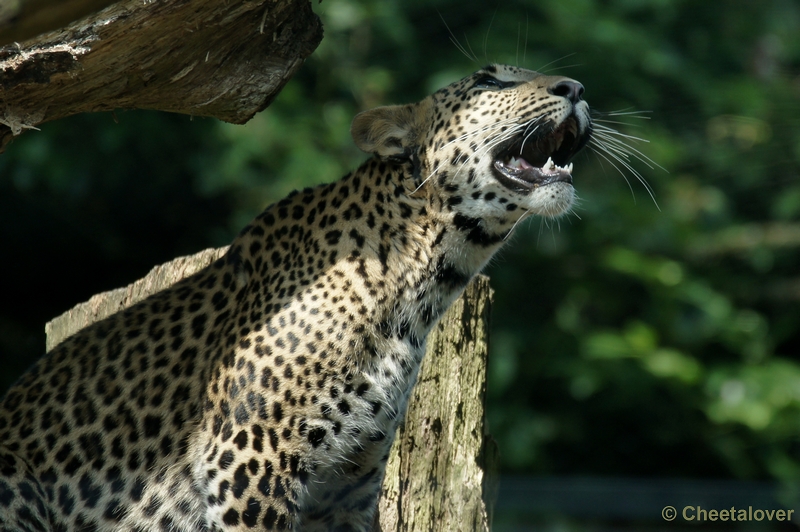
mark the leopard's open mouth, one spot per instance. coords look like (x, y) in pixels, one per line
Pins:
(530, 161)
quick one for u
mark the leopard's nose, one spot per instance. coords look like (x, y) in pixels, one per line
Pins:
(568, 88)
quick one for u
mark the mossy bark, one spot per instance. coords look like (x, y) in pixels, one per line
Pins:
(440, 471)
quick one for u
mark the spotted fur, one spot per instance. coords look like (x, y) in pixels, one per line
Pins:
(264, 392)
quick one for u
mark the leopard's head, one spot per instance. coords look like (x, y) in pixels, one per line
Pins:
(494, 146)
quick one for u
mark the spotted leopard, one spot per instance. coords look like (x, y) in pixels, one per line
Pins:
(264, 391)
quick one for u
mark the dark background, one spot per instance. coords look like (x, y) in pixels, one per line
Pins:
(651, 343)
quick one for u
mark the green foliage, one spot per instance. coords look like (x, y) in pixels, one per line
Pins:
(629, 338)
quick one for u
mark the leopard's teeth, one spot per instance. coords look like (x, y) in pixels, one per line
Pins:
(517, 164)
(549, 166)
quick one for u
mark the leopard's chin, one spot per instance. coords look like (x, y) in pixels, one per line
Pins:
(553, 200)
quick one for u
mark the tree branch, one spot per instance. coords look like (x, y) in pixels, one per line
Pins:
(22, 19)
(205, 58)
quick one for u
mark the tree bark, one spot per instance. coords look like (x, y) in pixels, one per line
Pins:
(107, 303)
(205, 58)
(21, 20)
(440, 475)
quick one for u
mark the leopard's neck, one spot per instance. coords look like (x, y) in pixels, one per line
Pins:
(369, 255)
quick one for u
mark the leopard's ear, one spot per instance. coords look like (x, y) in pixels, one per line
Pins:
(392, 132)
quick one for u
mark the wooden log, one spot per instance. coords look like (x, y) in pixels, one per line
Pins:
(440, 474)
(440, 471)
(107, 303)
(205, 58)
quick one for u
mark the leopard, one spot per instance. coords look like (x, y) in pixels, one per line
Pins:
(264, 391)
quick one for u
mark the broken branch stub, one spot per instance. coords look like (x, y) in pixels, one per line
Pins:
(214, 58)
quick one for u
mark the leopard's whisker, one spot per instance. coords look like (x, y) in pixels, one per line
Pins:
(496, 125)
(524, 215)
(628, 149)
(610, 156)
